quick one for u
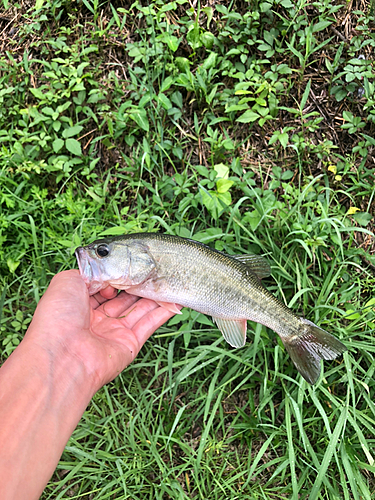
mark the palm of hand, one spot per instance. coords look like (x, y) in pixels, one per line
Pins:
(104, 331)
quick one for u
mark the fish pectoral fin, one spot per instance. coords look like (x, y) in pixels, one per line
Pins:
(171, 307)
(234, 331)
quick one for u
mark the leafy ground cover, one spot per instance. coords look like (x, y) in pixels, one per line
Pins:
(246, 125)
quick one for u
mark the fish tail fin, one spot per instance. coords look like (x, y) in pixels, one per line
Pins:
(308, 346)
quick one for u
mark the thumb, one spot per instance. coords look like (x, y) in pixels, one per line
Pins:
(65, 294)
(66, 286)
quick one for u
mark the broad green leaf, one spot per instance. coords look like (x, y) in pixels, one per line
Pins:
(164, 101)
(49, 111)
(176, 98)
(209, 13)
(371, 302)
(265, 7)
(7, 90)
(368, 138)
(215, 202)
(135, 52)
(228, 144)
(351, 314)
(233, 52)
(73, 146)
(173, 43)
(222, 170)
(248, 116)
(167, 82)
(224, 200)
(363, 218)
(236, 107)
(203, 320)
(349, 77)
(208, 39)
(260, 101)
(288, 174)
(269, 38)
(253, 218)
(63, 107)
(139, 115)
(12, 264)
(283, 138)
(193, 36)
(210, 61)
(57, 145)
(37, 93)
(177, 151)
(202, 170)
(223, 185)
(322, 25)
(182, 63)
(71, 131)
(284, 69)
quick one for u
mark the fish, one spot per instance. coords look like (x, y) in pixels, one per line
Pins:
(173, 271)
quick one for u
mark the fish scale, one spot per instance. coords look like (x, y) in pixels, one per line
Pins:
(173, 270)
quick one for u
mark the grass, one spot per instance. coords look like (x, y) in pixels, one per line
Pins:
(248, 126)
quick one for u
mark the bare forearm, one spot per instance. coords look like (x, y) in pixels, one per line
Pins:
(42, 398)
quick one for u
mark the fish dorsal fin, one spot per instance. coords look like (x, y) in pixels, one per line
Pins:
(256, 263)
(234, 331)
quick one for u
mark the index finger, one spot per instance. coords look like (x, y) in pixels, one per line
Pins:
(102, 296)
(109, 292)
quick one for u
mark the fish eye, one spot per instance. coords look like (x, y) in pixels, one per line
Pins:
(102, 250)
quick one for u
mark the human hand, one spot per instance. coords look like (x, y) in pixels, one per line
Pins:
(73, 346)
(105, 331)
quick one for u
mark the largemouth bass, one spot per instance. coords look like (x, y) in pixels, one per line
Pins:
(171, 270)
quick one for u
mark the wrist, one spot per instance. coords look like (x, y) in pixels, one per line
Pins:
(43, 394)
(61, 366)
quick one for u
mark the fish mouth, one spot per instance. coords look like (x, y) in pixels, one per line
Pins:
(83, 264)
(89, 271)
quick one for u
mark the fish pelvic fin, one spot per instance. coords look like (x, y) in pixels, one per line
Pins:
(173, 308)
(309, 346)
(234, 331)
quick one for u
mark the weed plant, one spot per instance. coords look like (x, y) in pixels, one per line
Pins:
(249, 126)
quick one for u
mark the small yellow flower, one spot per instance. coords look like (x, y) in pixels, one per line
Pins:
(332, 168)
(353, 210)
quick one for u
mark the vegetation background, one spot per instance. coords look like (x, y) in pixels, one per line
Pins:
(247, 125)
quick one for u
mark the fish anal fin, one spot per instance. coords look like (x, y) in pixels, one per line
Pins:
(234, 331)
(171, 307)
(256, 263)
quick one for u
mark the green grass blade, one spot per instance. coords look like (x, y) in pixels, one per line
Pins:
(292, 455)
(331, 449)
